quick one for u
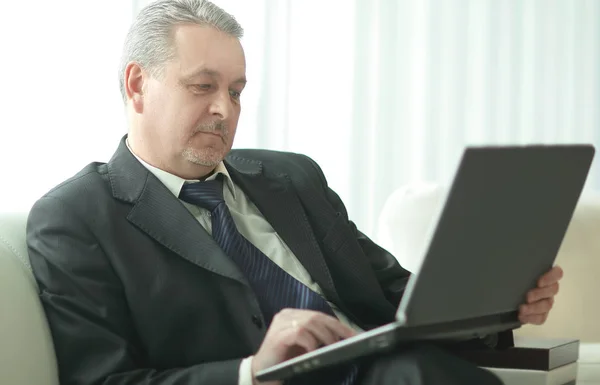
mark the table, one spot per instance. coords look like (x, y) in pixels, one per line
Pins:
(589, 364)
(588, 368)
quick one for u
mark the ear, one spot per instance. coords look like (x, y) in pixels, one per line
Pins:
(134, 86)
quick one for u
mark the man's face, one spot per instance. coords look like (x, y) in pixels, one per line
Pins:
(191, 112)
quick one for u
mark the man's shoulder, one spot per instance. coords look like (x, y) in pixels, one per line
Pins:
(90, 181)
(275, 160)
(83, 196)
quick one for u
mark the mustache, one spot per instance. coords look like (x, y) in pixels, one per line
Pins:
(215, 127)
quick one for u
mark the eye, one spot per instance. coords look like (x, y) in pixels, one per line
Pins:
(203, 87)
(235, 95)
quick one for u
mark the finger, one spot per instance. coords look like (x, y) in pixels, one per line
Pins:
(302, 316)
(282, 320)
(540, 307)
(327, 328)
(317, 325)
(538, 294)
(307, 340)
(537, 319)
(333, 324)
(299, 338)
(323, 335)
(341, 330)
(288, 316)
(551, 277)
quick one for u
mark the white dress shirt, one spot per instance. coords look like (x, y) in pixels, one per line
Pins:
(254, 227)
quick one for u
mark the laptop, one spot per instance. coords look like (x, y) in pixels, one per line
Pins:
(499, 230)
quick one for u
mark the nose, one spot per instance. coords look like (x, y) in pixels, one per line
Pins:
(221, 106)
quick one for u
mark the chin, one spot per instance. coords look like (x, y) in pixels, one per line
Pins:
(207, 157)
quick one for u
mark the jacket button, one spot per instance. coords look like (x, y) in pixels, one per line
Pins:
(257, 321)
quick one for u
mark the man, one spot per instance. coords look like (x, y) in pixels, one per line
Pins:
(182, 262)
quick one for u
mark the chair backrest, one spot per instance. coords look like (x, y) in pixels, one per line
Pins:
(26, 350)
(409, 212)
(576, 312)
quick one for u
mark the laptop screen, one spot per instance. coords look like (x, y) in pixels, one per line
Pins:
(500, 229)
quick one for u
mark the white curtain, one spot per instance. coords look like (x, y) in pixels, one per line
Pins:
(60, 106)
(380, 92)
(383, 93)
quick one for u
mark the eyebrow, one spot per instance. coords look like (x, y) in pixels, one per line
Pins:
(213, 74)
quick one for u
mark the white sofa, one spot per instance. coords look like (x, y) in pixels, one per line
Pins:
(410, 211)
(26, 349)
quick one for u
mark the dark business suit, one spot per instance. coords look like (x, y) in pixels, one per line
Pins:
(136, 291)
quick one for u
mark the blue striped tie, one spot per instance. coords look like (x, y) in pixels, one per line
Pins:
(274, 288)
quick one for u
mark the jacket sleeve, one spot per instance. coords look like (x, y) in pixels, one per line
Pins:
(391, 276)
(94, 337)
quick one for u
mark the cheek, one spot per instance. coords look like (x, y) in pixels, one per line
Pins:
(232, 132)
(234, 123)
(160, 113)
(187, 118)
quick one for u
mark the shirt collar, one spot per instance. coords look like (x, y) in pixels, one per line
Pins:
(175, 183)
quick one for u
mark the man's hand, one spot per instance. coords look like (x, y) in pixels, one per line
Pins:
(294, 332)
(541, 299)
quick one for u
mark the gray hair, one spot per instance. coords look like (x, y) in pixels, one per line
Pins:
(149, 40)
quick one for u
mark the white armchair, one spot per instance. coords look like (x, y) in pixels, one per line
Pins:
(26, 349)
(410, 211)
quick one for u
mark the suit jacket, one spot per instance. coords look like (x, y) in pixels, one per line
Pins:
(137, 292)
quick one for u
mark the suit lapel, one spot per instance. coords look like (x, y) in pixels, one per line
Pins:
(274, 196)
(164, 218)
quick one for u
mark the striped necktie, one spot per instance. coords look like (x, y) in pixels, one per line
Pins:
(275, 289)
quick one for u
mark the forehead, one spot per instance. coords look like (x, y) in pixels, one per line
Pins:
(205, 47)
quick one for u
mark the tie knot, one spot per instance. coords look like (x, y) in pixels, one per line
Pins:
(207, 194)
